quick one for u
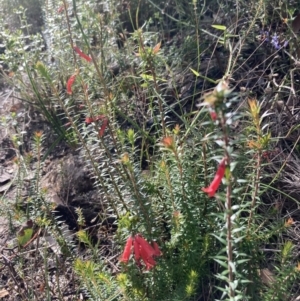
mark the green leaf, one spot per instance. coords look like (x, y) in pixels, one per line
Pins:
(147, 77)
(222, 263)
(24, 237)
(221, 239)
(195, 72)
(202, 76)
(242, 261)
(231, 35)
(220, 27)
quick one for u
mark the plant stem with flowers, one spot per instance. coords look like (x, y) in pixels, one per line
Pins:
(99, 73)
(89, 154)
(215, 101)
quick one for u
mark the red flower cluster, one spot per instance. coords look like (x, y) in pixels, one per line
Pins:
(104, 119)
(142, 250)
(214, 185)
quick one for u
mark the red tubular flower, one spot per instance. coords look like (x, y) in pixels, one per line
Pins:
(103, 127)
(156, 249)
(81, 54)
(137, 251)
(148, 260)
(146, 252)
(89, 120)
(144, 246)
(104, 119)
(127, 250)
(214, 185)
(70, 83)
(213, 115)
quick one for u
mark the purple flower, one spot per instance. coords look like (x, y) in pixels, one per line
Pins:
(275, 42)
(264, 35)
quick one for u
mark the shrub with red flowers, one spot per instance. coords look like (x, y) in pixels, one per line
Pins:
(146, 152)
